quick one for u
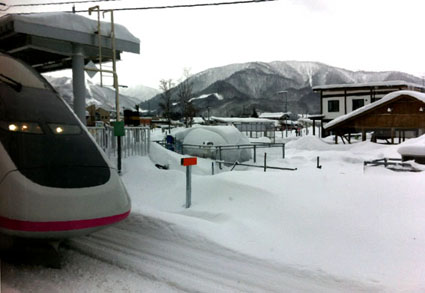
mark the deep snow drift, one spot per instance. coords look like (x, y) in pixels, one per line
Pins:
(340, 228)
(347, 221)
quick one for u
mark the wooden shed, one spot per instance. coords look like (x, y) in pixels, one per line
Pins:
(340, 99)
(400, 114)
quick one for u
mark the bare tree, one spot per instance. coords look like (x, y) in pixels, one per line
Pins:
(185, 95)
(166, 99)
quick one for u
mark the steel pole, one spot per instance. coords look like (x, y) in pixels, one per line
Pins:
(117, 95)
(78, 83)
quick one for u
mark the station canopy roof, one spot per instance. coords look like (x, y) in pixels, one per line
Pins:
(46, 40)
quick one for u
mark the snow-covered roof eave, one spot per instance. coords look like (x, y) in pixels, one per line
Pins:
(368, 84)
(244, 120)
(274, 115)
(417, 95)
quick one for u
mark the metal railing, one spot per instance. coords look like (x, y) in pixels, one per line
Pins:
(394, 164)
(136, 141)
(257, 130)
(216, 151)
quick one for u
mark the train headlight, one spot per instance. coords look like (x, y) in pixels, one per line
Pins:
(63, 129)
(13, 127)
(25, 127)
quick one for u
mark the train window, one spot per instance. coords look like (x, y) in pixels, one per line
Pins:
(25, 127)
(63, 129)
(16, 71)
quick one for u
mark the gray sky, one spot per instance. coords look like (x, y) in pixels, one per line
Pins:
(372, 35)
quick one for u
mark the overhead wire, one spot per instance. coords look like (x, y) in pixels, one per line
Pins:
(141, 8)
(184, 5)
(53, 3)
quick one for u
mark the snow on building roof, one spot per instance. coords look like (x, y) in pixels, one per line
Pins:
(198, 120)
(315, 116)
(389, 83)
(72, 22)
(417, 95)
(241, 120)
(274, 115)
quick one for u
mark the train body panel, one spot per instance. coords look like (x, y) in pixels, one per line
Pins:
(55, 182)
(6, 164)
(30, 209)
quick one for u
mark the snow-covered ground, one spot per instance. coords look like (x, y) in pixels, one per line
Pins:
(341, 228)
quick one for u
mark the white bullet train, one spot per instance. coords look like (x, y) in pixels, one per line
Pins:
(55, 182)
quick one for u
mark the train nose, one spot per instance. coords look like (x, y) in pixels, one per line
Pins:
(29, 209)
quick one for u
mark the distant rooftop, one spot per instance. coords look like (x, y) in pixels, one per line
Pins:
(377, 84)
(274, 115)
(241, 120)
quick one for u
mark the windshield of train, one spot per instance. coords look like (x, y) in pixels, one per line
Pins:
(15, 72)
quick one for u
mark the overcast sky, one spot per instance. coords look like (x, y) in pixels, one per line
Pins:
(373, 35)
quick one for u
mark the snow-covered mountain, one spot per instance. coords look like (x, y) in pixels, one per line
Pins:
(245, 86)
(100, 96)
(140, 92)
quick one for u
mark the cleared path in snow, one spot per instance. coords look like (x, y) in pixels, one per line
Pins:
(163, 252)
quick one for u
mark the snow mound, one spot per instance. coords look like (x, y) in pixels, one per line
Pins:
(202, 136)
(212, 136)
(413, 147)
(309, 143)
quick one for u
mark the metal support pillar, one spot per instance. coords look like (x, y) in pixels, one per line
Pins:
(78, 83)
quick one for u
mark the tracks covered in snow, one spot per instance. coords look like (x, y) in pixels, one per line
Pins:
(165, 253)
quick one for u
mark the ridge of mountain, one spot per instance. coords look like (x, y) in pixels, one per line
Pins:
(244, 86)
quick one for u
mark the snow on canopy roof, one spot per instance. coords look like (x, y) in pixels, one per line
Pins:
(241, 120)
(275, 115)
(73, 22)
(368, 84)
(417, 95)
(315, 116)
